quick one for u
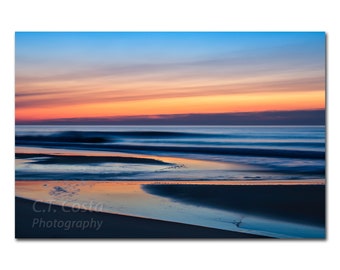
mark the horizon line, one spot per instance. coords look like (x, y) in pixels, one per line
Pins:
(279, 117)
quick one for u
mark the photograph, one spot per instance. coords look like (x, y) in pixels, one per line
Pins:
(170, 135)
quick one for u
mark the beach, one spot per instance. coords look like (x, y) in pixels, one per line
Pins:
(291, 202)
(42, 220)
(222, 209)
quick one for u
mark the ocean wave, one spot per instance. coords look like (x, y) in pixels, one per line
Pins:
(256, 152)
(102, 136)
(67, 136)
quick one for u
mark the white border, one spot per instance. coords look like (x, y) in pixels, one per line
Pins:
(157, 15)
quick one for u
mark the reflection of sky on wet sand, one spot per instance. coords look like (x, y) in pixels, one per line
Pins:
(128, 198)
(180, 168)
(192, 163)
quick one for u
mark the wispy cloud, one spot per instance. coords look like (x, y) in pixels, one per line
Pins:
(203, 66)
(105, 92)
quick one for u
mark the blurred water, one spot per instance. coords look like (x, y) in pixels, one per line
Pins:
(195, 152)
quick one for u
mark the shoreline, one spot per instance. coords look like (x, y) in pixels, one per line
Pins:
(42, 220)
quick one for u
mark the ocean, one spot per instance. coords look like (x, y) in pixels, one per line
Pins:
(263, 180)
(170, 153)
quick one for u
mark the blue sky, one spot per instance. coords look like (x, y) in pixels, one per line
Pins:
(122, 69)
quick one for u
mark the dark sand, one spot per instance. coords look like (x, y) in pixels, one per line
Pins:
(113, 226)
(297, 203)
(73, 159)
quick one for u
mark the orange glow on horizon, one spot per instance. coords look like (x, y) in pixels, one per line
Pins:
(251, 102)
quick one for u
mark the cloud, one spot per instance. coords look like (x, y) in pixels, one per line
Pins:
(57, 83)
(243, 63)
(79, 93)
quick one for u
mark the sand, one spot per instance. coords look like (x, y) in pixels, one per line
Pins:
(77, 159)
(303, 204)
(42, 220)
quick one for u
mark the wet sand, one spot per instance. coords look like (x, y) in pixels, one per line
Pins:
(78, 159)
(42, 220)
(303, 204)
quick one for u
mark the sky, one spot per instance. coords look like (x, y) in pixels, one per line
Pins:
(112, 77)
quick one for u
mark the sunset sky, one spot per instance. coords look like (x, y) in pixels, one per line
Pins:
(74, 76)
